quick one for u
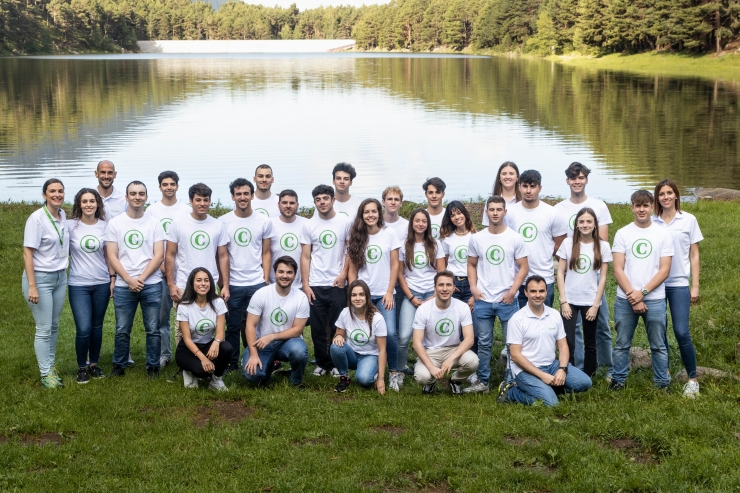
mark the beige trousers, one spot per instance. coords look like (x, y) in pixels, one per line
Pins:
(462, 368)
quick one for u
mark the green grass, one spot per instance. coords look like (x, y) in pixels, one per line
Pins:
(130, 434)
(726, 67)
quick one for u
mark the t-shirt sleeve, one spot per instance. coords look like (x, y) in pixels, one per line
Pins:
(606, 252)
(666, 246)
(379, 327)
(268, 230)
(306, 234)
(560, 327)
(393, 239)
(520, 250)
(173, 232)
(220, 306)
(402, 253)
(695, 235)
(420, 319)
(223, 238)
(32, 234)
(559, 225)
(514, 333)
(159, 234)
(341, 322)
(257, 303)
(303, 309)
(111, 234)
(182, 313)
(446, 246)
(619, 243)
(440, 250)
(466, 317)
(473, 248)
(563, 250)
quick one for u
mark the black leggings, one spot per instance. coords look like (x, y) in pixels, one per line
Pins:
(189, 362)
(589, 337)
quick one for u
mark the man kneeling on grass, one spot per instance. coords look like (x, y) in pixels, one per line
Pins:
(276, 317)
(443, 336)
(532, 335)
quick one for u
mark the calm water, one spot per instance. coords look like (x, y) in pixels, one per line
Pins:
(398, 119)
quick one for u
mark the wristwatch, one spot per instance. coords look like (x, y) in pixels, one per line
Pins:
(644, 292)
(564, 368)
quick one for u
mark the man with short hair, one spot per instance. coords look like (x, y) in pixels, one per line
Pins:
(642, 252)
(576, 177)
(286, 232)
(443, 336)
(114, 202)
(345, 205)
(135, 246)
(534, 332)
(434, 191)
(263, 201)
(542, 229)
(276, 318)
(165, 212)
(196, 240)
(249, 258)
(497, 266)
(392, 202)
(324, 269)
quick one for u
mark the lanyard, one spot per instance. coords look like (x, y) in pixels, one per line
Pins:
(51, 220)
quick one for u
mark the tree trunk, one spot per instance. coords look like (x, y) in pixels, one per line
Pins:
(717, 35)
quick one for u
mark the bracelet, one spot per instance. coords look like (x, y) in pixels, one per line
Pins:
(564, 302)
(112, 276)
(218, 340)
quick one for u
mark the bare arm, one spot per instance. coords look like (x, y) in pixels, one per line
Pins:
(441, 264)
(604, 232)
(558, 240)
(222, 255)
(473, 278)
(352, 272)
(619, 275)
(305, 271)
(155, 262)
(266, 258)
(388, 299)
(206, 363)
(169, 263)
(694, 259)
(342, 277)
(382, 358)
(33, 293)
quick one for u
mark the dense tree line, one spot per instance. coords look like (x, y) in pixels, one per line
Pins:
(539, 26)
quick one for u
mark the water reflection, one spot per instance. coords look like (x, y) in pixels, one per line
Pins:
(398, 119)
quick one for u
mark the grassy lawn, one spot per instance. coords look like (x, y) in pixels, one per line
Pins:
(130, 434)
(726, 67)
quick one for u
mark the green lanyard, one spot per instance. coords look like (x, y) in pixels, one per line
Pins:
(51, 220)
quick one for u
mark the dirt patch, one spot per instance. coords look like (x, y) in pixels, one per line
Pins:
(520, 441)
(337, 397)
(393, 430)
(322, 440)
(533, 465)
(222, 412)
(634, 451)
(42, 439)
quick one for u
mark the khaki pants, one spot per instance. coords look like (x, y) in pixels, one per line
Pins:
(462, 368)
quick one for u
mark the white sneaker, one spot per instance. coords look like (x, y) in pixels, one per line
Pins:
(319, 372)
(399, 379)
(130, 360)
(393, 382)
(335, 373)
(478, 388)
(189, 380)
(691, 389)
(473, 379)
(163, 362)
(217, 383)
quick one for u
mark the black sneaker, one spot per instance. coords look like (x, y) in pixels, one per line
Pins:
(503, 391)
(95, 372)
(174, 376)
(117, 371)
(82, 376)
(152, 373)
(616, 385)
(428, 388)
(343, 384)
(408, 371)
(230, 368)
(455, 388)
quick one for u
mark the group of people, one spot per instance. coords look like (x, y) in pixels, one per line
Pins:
(367, 281)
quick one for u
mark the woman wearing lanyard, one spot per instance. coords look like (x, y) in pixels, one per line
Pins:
(91, 281)
(45, 252)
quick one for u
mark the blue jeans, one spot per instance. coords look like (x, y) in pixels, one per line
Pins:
(626, 323)
(52, 289)
(679, 301)
(603, 339)
(294, 351)
(406, 327)
(398, 298)
(239, 298)
(125, 302)
(463, 294)
(392, 338)
(345, 358)
(485, 314)
(164, 322)
(529, 389)
(89, 304)
(522, 298)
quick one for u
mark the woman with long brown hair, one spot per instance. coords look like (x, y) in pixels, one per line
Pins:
(506, 185)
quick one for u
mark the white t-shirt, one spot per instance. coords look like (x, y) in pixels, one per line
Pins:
(357, 332)
(456, 248)
(277, 313)
(202, 321)
(165, 214)
(401, 227)
(684, 230)
(327, 238)
(643, 248)
(485, 220)
(135, 239)
(436, 222)
(348, 209)
(421, 276)
(537, 336)
(497, 256)
(581, 284)
(197, 245)
(538, 227)
(568, 211)
(267, 207)
(50, 255)
(245, 246)
(442, 328)
(88, 266)
(377, 270)
(114, 204)
(285, 240)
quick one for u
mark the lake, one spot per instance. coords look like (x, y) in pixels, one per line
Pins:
(398, 118)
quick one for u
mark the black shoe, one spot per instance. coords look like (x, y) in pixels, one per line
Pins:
(173, 378)
(428, 388)
(276, 365)
(117, 371)
(230, 368)
(343, 384)
(82, 376)
(408, 371)
(455, 388)
(95, 372)
(152, 373)
(616, 385)
(503, 391)
(299, 387)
